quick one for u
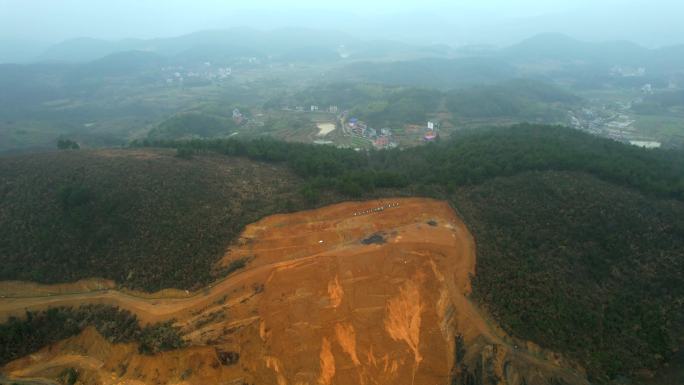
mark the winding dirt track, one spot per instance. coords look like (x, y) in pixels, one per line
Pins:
(317, 305)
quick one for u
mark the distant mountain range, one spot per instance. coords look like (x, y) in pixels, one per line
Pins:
(281, 44)
(316, 45)
(622, 53)
(549, 57)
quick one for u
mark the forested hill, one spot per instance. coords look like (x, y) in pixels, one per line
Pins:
(579, 239)
(470, 157)
(145, 219)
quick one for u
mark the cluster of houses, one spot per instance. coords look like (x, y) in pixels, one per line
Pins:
(382, 139)
(238, 117)
(178, 75)
(312, 108)
(628, 72)
(431, 134)
(609, 123)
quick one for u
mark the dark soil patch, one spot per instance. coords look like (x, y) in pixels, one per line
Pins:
(377, 239)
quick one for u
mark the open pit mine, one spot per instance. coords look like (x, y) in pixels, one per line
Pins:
(367, 293)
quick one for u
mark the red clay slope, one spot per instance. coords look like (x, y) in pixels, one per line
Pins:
(318, 305)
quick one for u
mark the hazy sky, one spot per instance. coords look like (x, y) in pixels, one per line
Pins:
(452, 21)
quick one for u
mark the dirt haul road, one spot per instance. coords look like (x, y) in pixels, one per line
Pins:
(368, 293)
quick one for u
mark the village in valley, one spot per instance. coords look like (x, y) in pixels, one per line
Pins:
(335, 126)
(322, 122)
(614, 119)
(342, 129)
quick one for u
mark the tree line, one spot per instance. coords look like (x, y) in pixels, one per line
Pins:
(22, 336)
(469, 157)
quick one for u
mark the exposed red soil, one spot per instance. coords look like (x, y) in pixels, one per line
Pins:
(317, 305)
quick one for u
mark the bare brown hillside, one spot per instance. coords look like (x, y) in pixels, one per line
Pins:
(356, 293)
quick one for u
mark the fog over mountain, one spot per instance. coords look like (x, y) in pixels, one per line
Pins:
(498, 22)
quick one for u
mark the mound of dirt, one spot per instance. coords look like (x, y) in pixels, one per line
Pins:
(318, 306)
